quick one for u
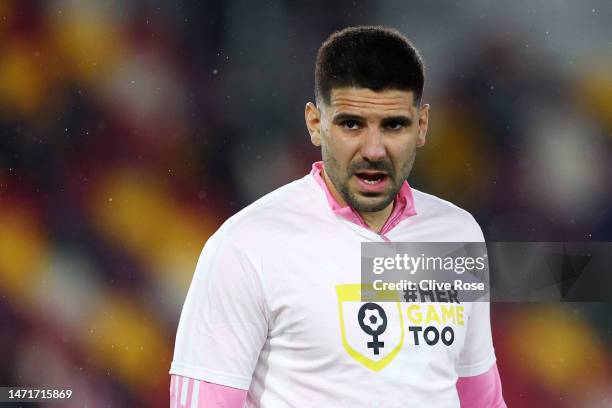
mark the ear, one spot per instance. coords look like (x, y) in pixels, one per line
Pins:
(423, 125)
(312, 115)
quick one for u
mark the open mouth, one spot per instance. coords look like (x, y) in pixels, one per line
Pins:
(372, 177)
(372, 180)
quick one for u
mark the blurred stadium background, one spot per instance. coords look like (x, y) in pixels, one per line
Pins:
(129, 131)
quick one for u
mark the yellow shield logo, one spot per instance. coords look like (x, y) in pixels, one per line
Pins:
(372, 332)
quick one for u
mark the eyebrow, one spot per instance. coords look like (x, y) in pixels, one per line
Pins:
(341, 117)
(401, 119)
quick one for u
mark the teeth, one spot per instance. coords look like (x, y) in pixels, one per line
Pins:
(371, 181)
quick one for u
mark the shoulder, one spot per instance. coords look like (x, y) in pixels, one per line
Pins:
(437, 210)
(429, 204)
(279, 212)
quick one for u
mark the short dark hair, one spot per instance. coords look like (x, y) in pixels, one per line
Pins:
(373, 57)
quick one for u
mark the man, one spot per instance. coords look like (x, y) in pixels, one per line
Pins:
(270, 316)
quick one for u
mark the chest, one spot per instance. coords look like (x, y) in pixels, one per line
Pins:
(314, 294)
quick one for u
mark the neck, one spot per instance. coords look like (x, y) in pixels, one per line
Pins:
(374, 219)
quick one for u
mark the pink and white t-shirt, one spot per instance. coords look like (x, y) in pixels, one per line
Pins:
(274, 301)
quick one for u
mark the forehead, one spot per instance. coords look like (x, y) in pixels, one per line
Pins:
(364, 101)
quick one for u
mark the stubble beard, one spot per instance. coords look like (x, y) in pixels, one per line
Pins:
(340, 179)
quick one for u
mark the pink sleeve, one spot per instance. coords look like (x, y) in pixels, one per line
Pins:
(481, 391)
(189, 393)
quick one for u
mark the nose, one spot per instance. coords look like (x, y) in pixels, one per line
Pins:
(373, 146)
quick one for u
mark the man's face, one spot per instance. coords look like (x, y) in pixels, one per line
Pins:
(368, 142)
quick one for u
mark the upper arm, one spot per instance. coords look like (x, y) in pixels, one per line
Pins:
(224, 322)
(190, 393)
(477, 354)
(481, 391)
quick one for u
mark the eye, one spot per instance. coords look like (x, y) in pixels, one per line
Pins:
(350, 124)
(395, 125)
